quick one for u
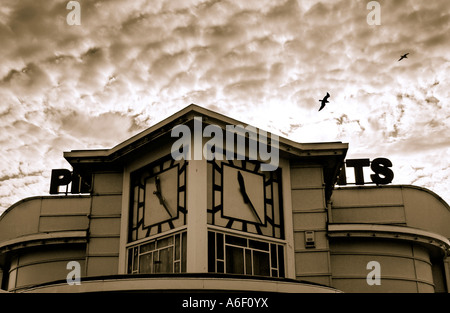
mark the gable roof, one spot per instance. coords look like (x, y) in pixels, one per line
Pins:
(187, 114)
(330, 155)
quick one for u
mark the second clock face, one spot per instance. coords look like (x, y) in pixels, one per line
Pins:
(243, 195)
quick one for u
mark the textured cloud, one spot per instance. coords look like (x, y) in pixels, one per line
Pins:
(130, 64)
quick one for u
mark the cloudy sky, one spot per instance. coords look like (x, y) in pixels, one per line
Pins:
(131, 64)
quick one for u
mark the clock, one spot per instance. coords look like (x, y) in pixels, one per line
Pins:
(158, 198)
(242, 197)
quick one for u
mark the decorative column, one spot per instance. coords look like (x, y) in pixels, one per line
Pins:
(197, 244)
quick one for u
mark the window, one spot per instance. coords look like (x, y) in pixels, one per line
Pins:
(162, 255)
(240, 255)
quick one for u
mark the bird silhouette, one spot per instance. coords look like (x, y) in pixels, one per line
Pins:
(403, 56)
(324, 101)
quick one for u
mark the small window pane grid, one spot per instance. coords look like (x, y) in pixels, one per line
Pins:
(274, 226)
(138, 230)
(233, 254)
(161, 255)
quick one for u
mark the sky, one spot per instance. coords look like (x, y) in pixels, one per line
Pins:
(131, 64)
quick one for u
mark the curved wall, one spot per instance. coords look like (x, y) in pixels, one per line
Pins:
(40, 235)
(406, 205)
(42, 264)
(404, 266)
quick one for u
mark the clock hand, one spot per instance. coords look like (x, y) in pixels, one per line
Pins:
(254, 211)
(242, 188)
(245, 195)
(159, 195)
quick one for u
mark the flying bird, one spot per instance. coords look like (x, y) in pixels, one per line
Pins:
(324, 101)
(403, 56)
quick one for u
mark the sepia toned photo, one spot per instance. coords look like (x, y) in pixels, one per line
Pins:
(229, 153)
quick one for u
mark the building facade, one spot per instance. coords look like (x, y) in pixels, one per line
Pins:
(197, 203)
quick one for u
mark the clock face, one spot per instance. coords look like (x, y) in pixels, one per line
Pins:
(161, 197)
(158, 198)
(243, 197)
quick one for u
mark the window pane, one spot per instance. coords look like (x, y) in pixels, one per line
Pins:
(281, 260)
(248, 262)
(183, 252)
(164, 242)
(145, 263)
(234, 240)
(220, 268)
(261, 264)
(273, 255)
(165, 262)
(235, 260)
(130, 260)
(258, 245)
(211, 252)
(147, 247)
(220, 246)
(177, 247)
(135, 258)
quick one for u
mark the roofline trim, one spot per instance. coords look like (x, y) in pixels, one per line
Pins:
(182, 116)
(60, 196)
(60, 235)
(392, 230)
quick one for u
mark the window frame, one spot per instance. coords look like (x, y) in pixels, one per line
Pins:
(217, 259)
